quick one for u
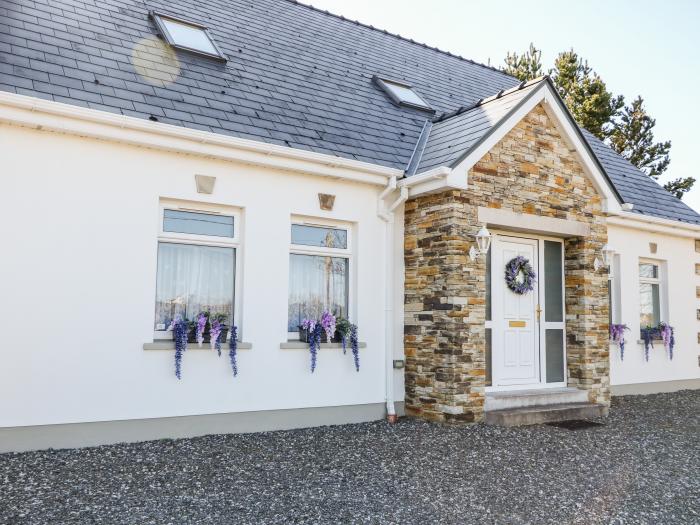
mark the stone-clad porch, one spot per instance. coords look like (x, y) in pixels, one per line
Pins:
(531, 172)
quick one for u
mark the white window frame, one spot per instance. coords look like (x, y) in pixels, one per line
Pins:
(158, 19)
(303, 249)
(385, 84)
(614, 284)
(554, 325)
(660, 280)
(203, 240)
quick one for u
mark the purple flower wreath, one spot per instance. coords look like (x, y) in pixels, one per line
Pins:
(514, 268)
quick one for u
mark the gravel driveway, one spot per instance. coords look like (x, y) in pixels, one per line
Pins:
(643, 466)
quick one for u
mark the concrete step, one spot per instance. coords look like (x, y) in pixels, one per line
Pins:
(537, 414)
(540, 396)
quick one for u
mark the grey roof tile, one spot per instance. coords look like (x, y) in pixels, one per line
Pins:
(451, 137)
(295, 76)
(635, 187)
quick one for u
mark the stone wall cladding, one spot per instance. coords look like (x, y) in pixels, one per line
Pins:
(531, 170)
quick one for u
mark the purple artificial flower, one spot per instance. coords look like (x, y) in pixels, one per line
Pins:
(668, 338)
(308, 325)
(328, 324)
(201, 325)
(647, 337)
(315, 344)
(617, 336)
(355, 345)
(180, 327)
(233, 349)
(214, 334)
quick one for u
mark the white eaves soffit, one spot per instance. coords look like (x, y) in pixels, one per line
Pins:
(47, 115)
(554, 108)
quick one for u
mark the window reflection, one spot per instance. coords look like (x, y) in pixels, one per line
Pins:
(316, 283)
(192, 279)
(319, 236)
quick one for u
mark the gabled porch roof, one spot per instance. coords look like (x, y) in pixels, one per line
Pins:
(459, 140)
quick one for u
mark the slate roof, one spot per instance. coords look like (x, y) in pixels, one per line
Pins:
(453, 135)
(636, 187)
(296, 76)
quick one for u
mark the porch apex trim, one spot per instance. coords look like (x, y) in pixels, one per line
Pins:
(525, 222)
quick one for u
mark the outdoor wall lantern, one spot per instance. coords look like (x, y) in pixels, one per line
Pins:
(483, 241)
(607, 252)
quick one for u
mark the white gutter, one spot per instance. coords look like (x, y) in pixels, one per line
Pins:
(438, 179)
(387, 215)
(47, 115)
(655, 224)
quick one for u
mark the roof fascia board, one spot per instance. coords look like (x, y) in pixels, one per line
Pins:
(53, 116)
(655, 224)
(561, 118)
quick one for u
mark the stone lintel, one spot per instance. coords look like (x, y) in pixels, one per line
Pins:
(526, 222)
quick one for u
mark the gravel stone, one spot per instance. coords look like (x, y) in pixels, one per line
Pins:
(642, 466)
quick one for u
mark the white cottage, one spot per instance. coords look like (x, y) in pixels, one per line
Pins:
(269, 162)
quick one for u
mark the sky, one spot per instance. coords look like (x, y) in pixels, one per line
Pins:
(640, 47)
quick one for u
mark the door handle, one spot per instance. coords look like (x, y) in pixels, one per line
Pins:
(538, 311)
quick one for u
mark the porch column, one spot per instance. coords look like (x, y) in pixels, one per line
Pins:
(444, 310)
(586, 295)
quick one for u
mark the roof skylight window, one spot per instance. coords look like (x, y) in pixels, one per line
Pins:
(187, 35)
(402, 94)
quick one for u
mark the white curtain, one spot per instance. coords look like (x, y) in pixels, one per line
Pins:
(192, 279)
(316, 283)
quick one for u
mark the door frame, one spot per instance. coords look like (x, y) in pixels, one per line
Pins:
(498, 235)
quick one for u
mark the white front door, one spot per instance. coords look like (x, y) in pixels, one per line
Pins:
(516, 356)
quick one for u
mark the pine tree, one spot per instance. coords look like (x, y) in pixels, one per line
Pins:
(526, 66)
(633, 138)
(628, 130)
(585, 94)
(679, 187)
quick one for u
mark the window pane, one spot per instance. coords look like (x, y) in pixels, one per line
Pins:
(189, 36)
(405, 94)
(192, 279)
(198, 223)
(316, 284)
(649, 304)
(648, 271)
(553, 306)
(319, 236)
(554, 339)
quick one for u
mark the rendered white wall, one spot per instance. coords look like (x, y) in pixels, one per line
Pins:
(79, 220)
(680, 257)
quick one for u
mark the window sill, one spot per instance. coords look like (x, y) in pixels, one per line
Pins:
(298, 345)
(653, 340)
(170, 345)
